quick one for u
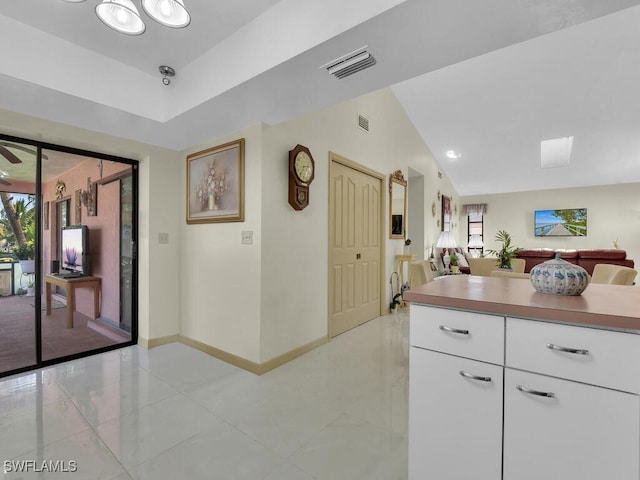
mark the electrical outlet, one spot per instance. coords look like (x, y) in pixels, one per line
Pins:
(163, 238)
(247, 238)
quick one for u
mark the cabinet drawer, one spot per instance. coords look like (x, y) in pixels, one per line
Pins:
(466, 334)
(598, 357)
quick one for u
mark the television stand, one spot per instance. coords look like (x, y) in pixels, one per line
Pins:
(70, 285)
(70, 275)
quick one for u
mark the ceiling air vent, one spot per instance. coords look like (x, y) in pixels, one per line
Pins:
(363, 123)
(351, 63)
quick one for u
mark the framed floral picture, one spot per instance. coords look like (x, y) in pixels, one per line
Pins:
(215, 184)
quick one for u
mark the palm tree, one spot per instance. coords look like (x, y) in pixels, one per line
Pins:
(17, 220)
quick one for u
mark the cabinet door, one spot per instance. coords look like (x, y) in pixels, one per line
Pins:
(582, 432)
(455, 427)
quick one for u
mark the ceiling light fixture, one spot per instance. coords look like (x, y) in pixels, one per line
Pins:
(453, 154)
(170, 13)
(121, 15)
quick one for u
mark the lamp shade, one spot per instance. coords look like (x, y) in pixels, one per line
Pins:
(446, 240)
(475, 241)
(171, 13)
(121, 15)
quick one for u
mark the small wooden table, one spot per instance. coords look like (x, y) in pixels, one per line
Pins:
(400, 261)
(70, 285)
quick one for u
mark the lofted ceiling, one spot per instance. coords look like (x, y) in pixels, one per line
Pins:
(488, 79)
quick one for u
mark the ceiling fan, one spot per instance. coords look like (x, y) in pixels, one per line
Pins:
(13, 158)
(8, 154)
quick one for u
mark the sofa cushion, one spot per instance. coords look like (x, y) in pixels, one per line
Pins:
(536, 252)
(608, 253)
(567, 254)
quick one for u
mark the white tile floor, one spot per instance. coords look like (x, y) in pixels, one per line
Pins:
(338, 412)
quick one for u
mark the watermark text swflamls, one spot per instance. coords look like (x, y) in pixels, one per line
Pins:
(39, 466)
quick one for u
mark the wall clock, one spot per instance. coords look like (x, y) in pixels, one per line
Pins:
(301, 174)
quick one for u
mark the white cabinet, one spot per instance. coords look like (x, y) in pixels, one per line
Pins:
(455, 398)
(560, 422)
(455, 430)
(577, 432)
(521, 399)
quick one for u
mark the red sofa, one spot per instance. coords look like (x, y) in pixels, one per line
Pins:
(586, 258)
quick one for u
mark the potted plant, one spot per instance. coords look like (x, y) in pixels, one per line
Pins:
(507, 252)
(407, 243)
(454, 261)
(25, 254)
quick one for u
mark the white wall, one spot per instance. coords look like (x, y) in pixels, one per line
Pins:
(613, 212)
(220, 285)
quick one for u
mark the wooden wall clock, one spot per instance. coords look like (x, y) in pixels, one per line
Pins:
(301, 174)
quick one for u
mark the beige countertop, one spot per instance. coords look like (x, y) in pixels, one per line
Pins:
(604, 306)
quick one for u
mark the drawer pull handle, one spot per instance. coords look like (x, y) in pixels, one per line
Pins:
(474, 377)
(577, 351)
(535, 392)
(454, 330)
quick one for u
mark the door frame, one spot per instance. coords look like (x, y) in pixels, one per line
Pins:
(335, 158)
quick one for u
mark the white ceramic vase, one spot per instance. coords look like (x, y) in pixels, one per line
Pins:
(559, 277)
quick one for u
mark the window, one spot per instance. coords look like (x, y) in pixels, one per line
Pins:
(475, 229)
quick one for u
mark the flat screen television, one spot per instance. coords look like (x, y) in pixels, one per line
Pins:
(75, 250)
(561, 223)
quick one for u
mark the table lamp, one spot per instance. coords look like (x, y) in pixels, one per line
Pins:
(446, 241)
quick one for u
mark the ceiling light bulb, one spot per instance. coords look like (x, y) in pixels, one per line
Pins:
(452, 154)
(121, 15)
(171, 13)
(165, 9)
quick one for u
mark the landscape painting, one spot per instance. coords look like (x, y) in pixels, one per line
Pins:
(561, 223)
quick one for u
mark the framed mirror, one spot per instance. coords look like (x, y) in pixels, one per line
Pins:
(397, 205)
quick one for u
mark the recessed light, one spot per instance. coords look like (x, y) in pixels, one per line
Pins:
(452, 154)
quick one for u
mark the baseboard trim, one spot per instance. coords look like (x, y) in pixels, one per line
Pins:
(156, 342)
(253, 367)
(221, 355)
(290, 355)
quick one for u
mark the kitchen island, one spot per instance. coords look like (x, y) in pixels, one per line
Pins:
(508, 383)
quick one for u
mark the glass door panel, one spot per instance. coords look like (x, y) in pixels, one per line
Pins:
(81, 251)
(18, 247)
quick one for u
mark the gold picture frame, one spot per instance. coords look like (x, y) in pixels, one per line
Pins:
(215, 184)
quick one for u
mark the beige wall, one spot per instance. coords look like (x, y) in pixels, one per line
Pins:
(613, 212)
(220, 284)
(263, 300)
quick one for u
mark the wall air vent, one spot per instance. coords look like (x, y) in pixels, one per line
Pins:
(363, 123)
(351, 63)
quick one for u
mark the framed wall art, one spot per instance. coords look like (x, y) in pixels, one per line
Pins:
(446, 214)
(45, 216)
(78, 206)
(215, 184)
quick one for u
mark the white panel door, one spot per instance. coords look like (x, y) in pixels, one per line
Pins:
(354, 230)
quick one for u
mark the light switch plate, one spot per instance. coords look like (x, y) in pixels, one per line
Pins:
(247, 238)
(163, 238)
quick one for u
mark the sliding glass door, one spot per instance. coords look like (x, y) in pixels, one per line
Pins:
(81, 289)
(18, 227)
